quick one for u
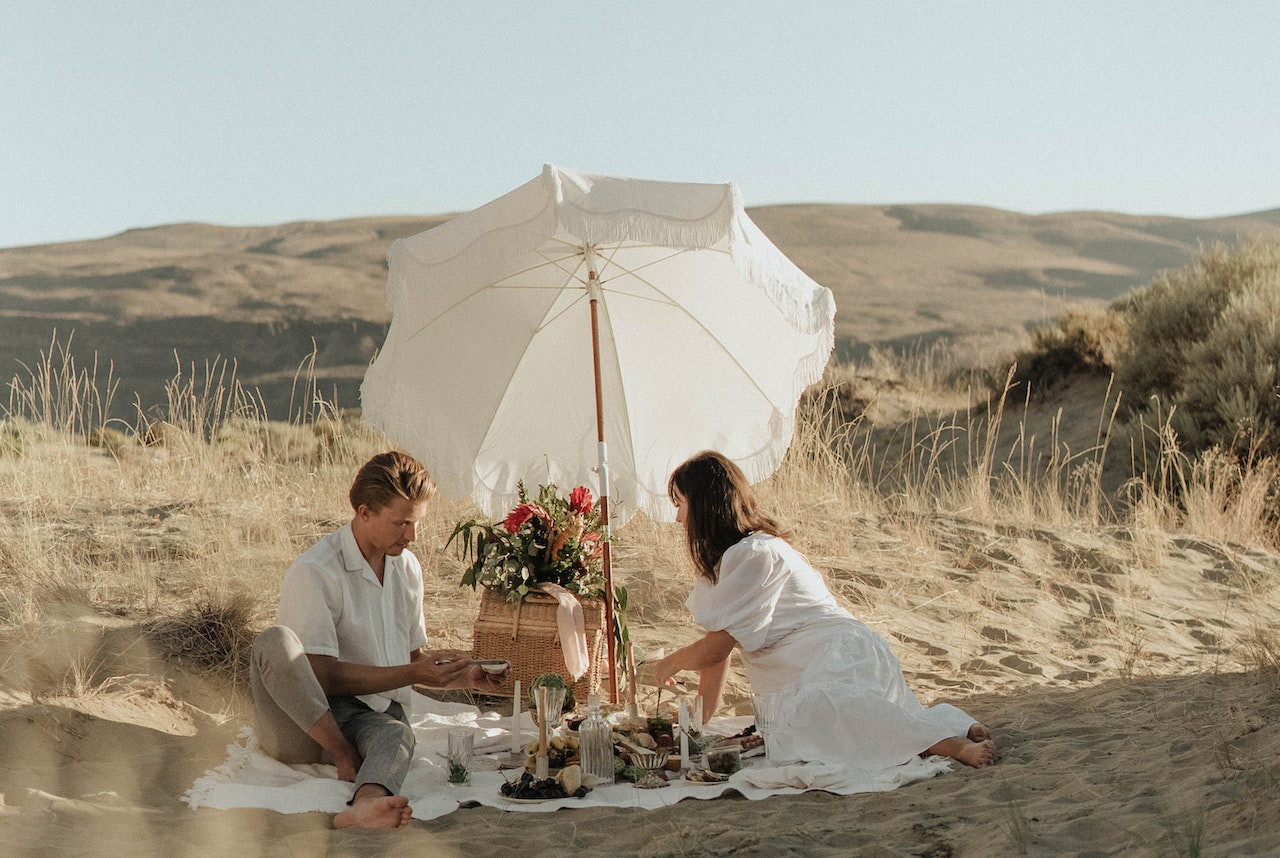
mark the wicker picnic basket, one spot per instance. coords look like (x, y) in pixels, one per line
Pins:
(525, 633)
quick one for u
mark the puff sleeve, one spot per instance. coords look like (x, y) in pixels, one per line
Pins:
(743, 601)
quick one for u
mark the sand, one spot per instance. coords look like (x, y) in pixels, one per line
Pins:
(1129, 705)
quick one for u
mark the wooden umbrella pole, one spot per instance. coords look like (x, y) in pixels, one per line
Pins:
(593, 291)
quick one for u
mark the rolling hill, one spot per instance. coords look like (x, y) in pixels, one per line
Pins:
(150, 300)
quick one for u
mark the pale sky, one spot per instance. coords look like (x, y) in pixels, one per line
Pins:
(118, 114)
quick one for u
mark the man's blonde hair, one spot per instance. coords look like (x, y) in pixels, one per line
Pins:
(388, 476)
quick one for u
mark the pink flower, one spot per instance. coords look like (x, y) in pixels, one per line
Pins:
(521, 514)
(580, 500)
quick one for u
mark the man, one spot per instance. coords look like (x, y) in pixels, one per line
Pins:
(330, 682)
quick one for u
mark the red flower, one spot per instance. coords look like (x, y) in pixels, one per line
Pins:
(521, 514)
(580, 500)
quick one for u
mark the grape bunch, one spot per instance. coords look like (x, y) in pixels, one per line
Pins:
(529, 787)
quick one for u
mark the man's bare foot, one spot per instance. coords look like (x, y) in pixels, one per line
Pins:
(965, 750)
(381, 811)
(979, 732)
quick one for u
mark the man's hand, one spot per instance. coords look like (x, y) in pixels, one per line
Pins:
(453, 669)
(348, 765)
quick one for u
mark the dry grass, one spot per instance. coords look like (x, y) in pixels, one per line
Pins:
(213, 634)
(931, 505)
(979, 538)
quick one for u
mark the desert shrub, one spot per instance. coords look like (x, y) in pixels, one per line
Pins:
(1205, 342)
(110, 439)
(1230, 382)
(214, 632)
(1083, 342)
(342, 436)
(162, 433)
(11, 442)
(255, 438)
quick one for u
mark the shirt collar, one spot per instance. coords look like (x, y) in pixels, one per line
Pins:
(352, 560)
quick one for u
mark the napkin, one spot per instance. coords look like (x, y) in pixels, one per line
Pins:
(799, 776)
(572, 628)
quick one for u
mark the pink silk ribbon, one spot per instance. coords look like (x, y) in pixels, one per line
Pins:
(572, 628)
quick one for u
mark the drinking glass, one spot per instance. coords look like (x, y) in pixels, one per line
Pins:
(767, 707)
(555, 708)
(461, 747)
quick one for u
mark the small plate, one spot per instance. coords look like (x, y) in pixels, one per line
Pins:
(715, 779)
(494, 665)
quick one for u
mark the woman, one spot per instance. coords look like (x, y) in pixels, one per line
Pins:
(845, 699)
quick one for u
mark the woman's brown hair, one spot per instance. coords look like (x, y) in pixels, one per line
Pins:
(720, 509)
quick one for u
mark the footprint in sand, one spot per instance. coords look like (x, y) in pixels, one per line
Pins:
(1022, 665)
(999, 635)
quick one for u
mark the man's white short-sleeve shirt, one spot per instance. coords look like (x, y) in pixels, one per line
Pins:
(333, 601)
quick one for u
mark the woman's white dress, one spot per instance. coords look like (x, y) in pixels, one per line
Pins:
(845, 699)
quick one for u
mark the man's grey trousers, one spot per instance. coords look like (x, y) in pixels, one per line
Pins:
(288, 701)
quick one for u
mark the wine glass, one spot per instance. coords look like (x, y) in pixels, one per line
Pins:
(554, 712)
(767, 708)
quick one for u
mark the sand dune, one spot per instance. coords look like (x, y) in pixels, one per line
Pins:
(1118, 669)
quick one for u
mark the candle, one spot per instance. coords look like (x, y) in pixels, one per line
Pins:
(516, 746)
(684, 735)
(542, 764)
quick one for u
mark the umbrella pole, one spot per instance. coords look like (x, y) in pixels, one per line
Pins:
(593, 291)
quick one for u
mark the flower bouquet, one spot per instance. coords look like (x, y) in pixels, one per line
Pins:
(549, 539)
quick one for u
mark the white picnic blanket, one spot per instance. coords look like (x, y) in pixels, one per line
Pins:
(249, 778)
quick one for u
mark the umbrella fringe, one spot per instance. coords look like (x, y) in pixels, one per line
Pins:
(805, 304)
(636, 227)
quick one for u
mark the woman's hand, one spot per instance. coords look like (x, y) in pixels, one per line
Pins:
(665, 670)
(712, 649)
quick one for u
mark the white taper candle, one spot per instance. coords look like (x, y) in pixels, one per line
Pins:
(516, 746)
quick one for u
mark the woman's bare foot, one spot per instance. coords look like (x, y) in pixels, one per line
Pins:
(375, 811)
(978, 754)
(965, 750)
(979, 732)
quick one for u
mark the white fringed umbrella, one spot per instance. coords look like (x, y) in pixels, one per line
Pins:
(578, 308)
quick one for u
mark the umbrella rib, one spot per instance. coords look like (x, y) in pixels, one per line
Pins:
(652, 262)
(617, 248)
(548, 260)
(680, 308)
(547, 322)
(497, 284)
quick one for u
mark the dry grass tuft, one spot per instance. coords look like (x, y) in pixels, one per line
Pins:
(212, 633)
